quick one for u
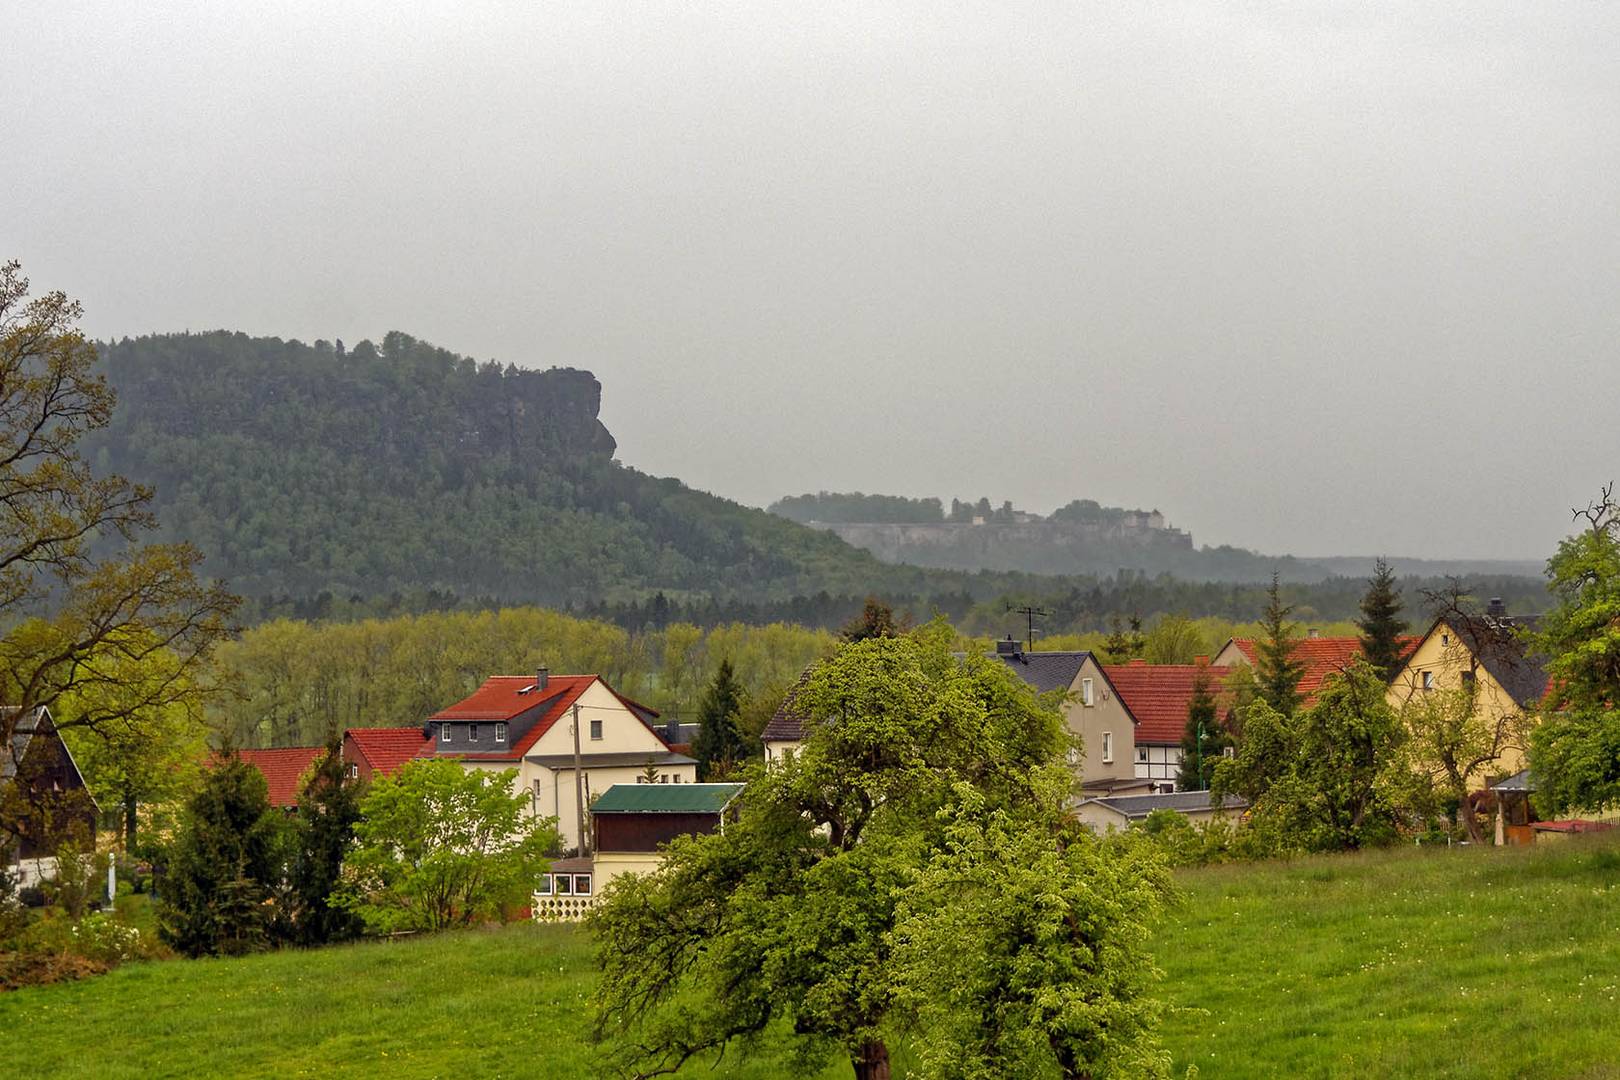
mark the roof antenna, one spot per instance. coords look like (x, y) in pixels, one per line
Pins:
(1030, 614)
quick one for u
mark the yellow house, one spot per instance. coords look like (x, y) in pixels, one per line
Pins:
(1484, 652)
(541, 725)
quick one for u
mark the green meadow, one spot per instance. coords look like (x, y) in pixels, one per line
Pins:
(1407, 963)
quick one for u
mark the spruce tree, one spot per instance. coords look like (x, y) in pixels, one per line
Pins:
(719, 742)
(1381, 623)
(328, 808)
(224, 865)
(1203, 739)
(1277, 673)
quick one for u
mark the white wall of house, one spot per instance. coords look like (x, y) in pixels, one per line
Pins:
(1158, 762)
(776, 750)
(606, 727)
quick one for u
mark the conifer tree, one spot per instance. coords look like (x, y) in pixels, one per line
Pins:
(1277, 673)
(328, 808)
(224, 865)
(1203, 740)
(1381, 623)
(719, 742)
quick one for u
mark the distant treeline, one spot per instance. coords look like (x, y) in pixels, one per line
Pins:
(852, 507)
(1080, 607)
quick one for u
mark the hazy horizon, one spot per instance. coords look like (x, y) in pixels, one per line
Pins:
(1308, 279)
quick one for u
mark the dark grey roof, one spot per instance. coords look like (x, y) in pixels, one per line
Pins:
(1045, 671)
(626, 759)
(1520, 781)
(787, 723)
(1140, 806)
(22, 733)
(1501, 652)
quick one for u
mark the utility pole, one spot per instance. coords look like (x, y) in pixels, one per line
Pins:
(579, 786)
(1030, 614)
(1200, 749)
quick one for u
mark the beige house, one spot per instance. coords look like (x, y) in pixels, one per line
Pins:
(1486, 653)
(541, 724)
(1092, 707)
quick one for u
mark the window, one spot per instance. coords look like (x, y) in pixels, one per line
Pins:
(500, 732)
(1074, 756)
(596, 730)
(1445, 641)
(677, 779)
(537, 787)
(1141, 755)
(1468, 678)
(472, 732)
(1229, 751)
(582, 884)
(354, 771)
(544, 888)
(1108, 747)
(663, 778)
(1428, 680)
(1087, 692)
(444, 733)
(565, 885)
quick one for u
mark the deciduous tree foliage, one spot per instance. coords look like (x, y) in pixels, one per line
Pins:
(1329, 777)
(814, 907)
(1575, 751)
(84, 608)
(438, 846)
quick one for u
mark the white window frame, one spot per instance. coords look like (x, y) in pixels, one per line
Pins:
(444, 733)
(565, 884)
(1088, 693)
(472, 732)
(544, 888)
(1428, 680)
(1142, 755)
(500, 731)
(1108, 748)
(582, 879)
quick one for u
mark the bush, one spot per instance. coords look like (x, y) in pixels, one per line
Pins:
(104, 939)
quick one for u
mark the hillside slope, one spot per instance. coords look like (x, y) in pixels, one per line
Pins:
(300, 468)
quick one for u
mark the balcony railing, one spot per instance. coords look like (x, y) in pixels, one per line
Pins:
(562, 908)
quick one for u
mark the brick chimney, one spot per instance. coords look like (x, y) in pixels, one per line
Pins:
(542, 676)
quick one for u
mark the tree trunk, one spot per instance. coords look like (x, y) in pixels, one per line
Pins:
(1465, 810)
(129, 822)
(871, 1061)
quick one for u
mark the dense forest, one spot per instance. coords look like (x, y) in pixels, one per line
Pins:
(301, 469)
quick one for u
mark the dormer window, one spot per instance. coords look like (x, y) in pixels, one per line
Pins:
(444, 733)
(500, 732)
(472, 732)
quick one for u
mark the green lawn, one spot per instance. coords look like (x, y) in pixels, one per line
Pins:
(1432, 963)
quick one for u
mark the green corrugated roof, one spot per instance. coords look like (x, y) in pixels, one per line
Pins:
(665, 798)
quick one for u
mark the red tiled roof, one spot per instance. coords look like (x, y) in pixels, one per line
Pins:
(386, 749)
(1322, 656)
(282, 769)
(1157, 696)
(1573, 825)
(499, 698)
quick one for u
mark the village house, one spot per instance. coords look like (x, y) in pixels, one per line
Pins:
(373, 752)
(1157, 697)
(631, 824)
(284, 769)
(43, 798)
(1113, 812)
(541, 724)
(1321, 657)
(1485, 652)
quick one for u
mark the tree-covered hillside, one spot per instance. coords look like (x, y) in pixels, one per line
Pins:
(304, 468)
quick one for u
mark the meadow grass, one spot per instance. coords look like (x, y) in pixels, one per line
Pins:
(1389, 964)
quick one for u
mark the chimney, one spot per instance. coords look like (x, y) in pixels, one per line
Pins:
(541, 678)
(1496, 609)
(1201, 661)
(1313, 633)
(1007, 647)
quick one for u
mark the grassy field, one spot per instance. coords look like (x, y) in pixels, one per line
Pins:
(1407, 963)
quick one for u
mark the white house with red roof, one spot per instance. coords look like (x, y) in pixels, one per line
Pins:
(540, 724)
(1158, 696)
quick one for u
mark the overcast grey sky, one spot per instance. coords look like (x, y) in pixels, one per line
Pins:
(1309, 277)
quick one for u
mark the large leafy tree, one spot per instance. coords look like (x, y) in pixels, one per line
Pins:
(1451, 741)
(1277, 672)
(820, 906)
(1329, 777)
(1575, 750)
(439, 846)
(86, 609)
(719, 744)
(222, 872)
(1204, 739)
(1381, 623)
